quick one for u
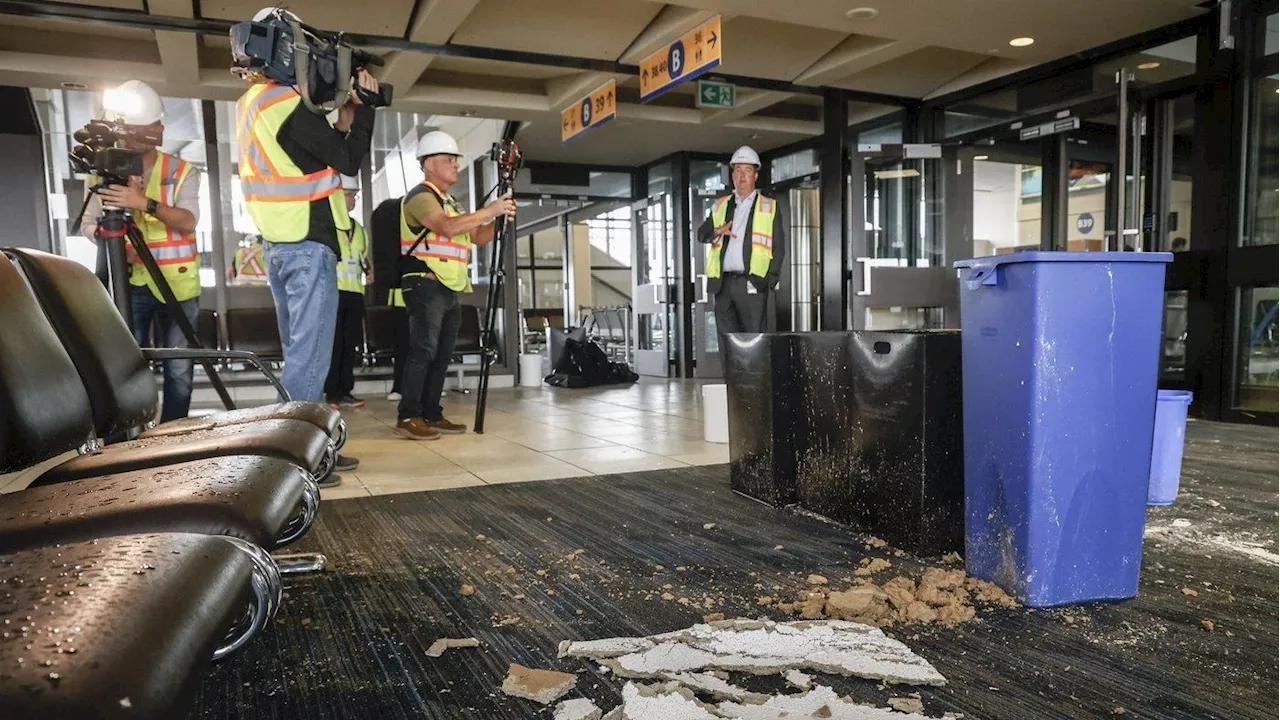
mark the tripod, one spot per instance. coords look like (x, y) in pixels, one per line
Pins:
(507, 156)
(114, 227)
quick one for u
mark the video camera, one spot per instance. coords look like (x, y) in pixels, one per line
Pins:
(97, 152)
(321, 65)
(507, 156)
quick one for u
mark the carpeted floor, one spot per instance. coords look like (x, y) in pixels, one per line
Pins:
(350, 643)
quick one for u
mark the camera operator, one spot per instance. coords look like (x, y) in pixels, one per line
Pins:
(165, 205)
(434, 274)
(291, 163)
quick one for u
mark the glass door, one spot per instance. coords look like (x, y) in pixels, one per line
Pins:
(901, 278)
(708, 181)
(653, 279)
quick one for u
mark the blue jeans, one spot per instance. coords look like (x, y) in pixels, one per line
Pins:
(304, 284)
(435, 313)
(178, 374)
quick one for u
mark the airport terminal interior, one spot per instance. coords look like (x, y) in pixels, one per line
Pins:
(1002, 443)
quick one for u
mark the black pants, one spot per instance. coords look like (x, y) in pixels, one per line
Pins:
(400, 351)
(435, 314)
(738, 309)
(348, 338)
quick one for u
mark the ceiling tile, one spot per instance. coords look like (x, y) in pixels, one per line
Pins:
(779, 51)
(916, 74)
(384, 17)
(599, 29)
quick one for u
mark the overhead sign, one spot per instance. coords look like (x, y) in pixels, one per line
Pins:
(683, 60)
(1049, 128)
(595, 109)
(715, 94)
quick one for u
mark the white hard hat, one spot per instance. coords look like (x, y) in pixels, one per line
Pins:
(745, 156)
(350, 183)
(134, 103)
(437, 143)
(267, 12)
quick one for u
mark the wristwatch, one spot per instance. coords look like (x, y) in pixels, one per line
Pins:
(152, 206)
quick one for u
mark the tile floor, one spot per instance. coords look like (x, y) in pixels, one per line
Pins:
(532, 434)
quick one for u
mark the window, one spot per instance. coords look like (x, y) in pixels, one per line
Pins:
(1258, 350)
(1263, 170)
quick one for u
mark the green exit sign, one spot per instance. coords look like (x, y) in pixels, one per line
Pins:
(712, 94)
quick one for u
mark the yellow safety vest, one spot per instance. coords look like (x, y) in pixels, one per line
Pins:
(761, 235)
(251, 268)
(351, 264)
(277, 193)
(175, 252)
(445, 257)
(395, 297)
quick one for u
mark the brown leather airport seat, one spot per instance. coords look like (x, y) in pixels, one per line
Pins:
(265, 501)
(116, 371)
(123, 627)
(78, 323)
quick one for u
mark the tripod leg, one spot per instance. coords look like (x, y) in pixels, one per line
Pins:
(175, 310)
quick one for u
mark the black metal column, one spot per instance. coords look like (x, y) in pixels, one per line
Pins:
(684, 292)
(567, 290)
(836, 210)
(214, 180)
(1053, 193)
(1221, 122)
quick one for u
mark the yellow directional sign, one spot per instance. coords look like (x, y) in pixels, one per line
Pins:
(683, 60)
(595, 109)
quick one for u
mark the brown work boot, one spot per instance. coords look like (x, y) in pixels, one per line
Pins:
(417, 429)
(446, 427)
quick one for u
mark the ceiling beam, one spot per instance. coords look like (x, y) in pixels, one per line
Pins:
(435, 22)
(179, 51)
(746, 105)
(858, 53)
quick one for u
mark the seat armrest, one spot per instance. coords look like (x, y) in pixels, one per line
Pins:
(159, 354)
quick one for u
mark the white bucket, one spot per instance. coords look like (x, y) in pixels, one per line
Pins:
(715, 414)
(530, 370)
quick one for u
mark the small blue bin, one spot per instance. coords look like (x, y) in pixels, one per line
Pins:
(1060, 357)
(1166, 447)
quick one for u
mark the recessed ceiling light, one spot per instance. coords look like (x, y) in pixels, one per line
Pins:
(468, 113)
(1021, 41)
(1149, 66)
(862, 13)
(980, 157)
(75, 86)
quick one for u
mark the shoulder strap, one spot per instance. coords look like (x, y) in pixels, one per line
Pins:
(421, 234)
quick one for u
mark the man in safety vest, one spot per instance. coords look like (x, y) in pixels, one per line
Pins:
(748, 242)
(435, 240)
(249, 266)
(348, 336)
(291, 163)
(165, 205)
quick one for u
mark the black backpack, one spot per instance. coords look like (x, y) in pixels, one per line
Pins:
(384, 248)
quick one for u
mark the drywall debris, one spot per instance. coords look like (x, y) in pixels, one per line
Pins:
(577, 709)
(820, 702)
(876, 542)
(438, 647)
(709, 684)
(543, 686)
(817, 580)
(1207, 624)
(766, 647)
(709, 526)
(602, 649)
(909, 704)
(804, 681)
(467, 590)
(666, 701)
(764, 600)
(871, 566)
(1190, 593)
(713, 617)
(952, 558)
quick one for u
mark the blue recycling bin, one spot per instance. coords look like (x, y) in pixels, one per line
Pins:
(1166, 446)
(1060, 353)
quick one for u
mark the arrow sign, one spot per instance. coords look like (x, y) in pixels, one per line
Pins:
(597, 108)
(693, 54)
